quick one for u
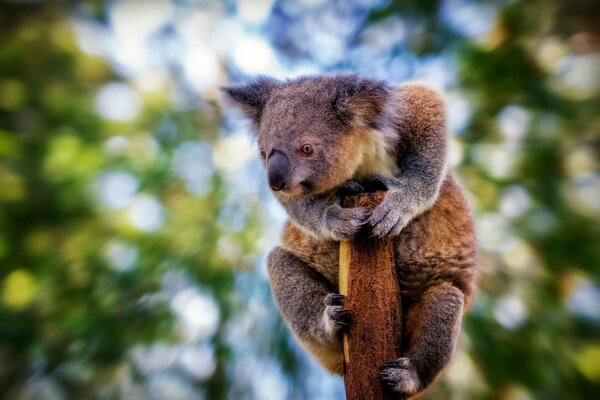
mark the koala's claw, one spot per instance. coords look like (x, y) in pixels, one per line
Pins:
(337, 317)
(340, 316)
(401, 376)
(345, 223)
(388, 219)
(398, 363)
(334, 299)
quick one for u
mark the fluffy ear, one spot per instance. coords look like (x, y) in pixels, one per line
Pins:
(251, 97)
(360, 101)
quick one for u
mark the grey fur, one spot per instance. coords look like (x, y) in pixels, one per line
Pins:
(323, 216)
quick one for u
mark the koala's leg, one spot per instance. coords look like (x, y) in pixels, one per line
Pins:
(310, 307)
(434, 325)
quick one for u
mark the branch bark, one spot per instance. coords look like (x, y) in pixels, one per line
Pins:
(368, 279)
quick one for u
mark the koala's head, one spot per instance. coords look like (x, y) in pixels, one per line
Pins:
(310, 130)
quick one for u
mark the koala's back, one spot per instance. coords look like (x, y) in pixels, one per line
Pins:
(437, 246)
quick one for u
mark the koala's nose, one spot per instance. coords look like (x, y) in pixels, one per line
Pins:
(278, 170)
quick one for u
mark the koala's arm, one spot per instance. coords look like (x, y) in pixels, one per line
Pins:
(323, 217)
(421, 123)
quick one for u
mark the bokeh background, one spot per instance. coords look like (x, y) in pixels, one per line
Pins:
(135, 218)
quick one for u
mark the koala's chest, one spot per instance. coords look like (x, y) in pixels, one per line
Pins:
(418, 264)
(376, 159)
(323, 256)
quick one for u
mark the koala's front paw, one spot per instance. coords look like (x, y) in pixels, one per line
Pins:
(401, 376)
(345, 223)
(336, 317)
(389, 217)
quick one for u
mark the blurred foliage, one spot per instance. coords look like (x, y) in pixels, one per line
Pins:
(87, 285)
(65, 311)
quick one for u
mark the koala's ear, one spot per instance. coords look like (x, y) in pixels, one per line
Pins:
(252, 97)
(360, 100)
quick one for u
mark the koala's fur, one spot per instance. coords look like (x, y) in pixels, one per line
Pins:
(364, 134)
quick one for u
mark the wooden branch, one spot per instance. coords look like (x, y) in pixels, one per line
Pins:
(368, 279)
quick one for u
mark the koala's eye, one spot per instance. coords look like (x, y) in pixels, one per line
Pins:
(307, 148)
(263, 154)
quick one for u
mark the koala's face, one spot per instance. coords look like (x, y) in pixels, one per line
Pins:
(303, 143)
(306, 129)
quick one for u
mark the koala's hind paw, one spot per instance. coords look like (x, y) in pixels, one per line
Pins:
(336, 316)
(401, 376)
(345, 223)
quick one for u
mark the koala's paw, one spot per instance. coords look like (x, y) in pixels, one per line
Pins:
(345, 223)
(389, 217)
(336, 317)
(401, 376)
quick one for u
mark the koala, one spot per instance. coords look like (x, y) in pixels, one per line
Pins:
(322, 138)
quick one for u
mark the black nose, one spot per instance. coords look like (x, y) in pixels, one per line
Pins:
(278, 170)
